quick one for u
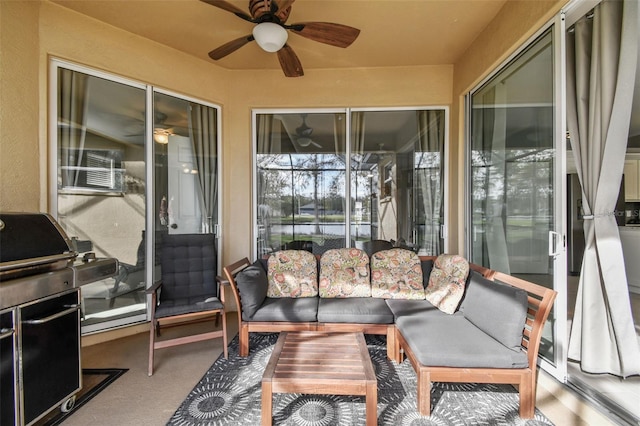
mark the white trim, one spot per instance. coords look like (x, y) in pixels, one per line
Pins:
(149, 165)
(559, 370)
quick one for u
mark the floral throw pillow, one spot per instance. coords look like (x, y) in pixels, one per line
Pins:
(344, 273)
(292, 273)
(447, 282)
(396, 274)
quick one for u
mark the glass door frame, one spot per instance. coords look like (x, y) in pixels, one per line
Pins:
(150, 209)
(347, 111)
(557, 367)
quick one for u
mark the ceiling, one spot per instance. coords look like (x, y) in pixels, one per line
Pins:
(393, 32)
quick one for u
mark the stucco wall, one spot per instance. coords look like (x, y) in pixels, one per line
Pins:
(19, 137)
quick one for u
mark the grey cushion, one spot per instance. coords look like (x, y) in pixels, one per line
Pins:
(302, 309)
(453, 341)
(252, 285)
(404, 307)
(188, 267)
(497, 309)
(363, 310)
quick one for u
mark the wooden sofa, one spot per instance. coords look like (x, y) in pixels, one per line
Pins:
(540, 301)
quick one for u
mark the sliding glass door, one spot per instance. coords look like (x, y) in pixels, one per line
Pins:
(387, 163)
(132, 164)
(513, 191)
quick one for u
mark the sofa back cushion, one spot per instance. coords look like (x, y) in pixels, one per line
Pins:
(252, 285)
(447, 282)
(292, 273)
(498, 309)
(396, 274)
(344, 273)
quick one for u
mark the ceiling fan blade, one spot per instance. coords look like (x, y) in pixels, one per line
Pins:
(230, 47)
(326, 32)
(289, 62)
(316, 144)
(221, 4)
(281, 10)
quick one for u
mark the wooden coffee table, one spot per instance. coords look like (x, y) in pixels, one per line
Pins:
(310, 362)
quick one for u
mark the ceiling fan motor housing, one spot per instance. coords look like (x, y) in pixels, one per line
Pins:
(262, 9)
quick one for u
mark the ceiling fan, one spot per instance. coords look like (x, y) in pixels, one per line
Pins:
(303, 134)
(271, 32)
(161, 131)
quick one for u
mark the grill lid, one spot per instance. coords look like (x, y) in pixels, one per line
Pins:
(30, 240)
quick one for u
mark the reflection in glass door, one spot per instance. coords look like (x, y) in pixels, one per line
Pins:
(105, 138)
(397, 179)
(100, 191)
(512, 184)
(185, 147)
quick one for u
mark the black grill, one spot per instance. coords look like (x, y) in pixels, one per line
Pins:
(40, 309)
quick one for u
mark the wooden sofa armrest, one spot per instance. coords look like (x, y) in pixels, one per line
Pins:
(540, 304)
(230, 272)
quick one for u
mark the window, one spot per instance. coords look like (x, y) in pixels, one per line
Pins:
(95, 170)
(320, 187)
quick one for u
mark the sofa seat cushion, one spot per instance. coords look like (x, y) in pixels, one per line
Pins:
(292, 273)
(498, 309)
(453, 341)
(365, 310)
(344, 273)
(252, 286)
(403, 307)
(288, 309)
(396, 274)
(447, 282)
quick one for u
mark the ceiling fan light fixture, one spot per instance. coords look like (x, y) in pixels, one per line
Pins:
(269, 36)
(161, 137)
(304, 142)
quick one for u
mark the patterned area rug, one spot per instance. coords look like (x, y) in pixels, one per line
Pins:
(229, 394)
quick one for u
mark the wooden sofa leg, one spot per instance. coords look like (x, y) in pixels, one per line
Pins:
(392, 344)
(424, 393)
(527, 391)
(243, 337)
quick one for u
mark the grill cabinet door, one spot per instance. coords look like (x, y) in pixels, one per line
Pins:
(50, 353)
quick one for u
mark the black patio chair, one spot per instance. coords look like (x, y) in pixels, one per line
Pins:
(189, 290)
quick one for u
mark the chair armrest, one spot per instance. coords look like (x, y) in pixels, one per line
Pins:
(154, 287)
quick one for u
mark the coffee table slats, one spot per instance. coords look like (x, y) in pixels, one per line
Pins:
(320, 363)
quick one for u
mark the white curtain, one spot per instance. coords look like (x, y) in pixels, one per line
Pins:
(430, 177)
(601, 67)
(203, 131)
(72, 114)
(493, 130)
